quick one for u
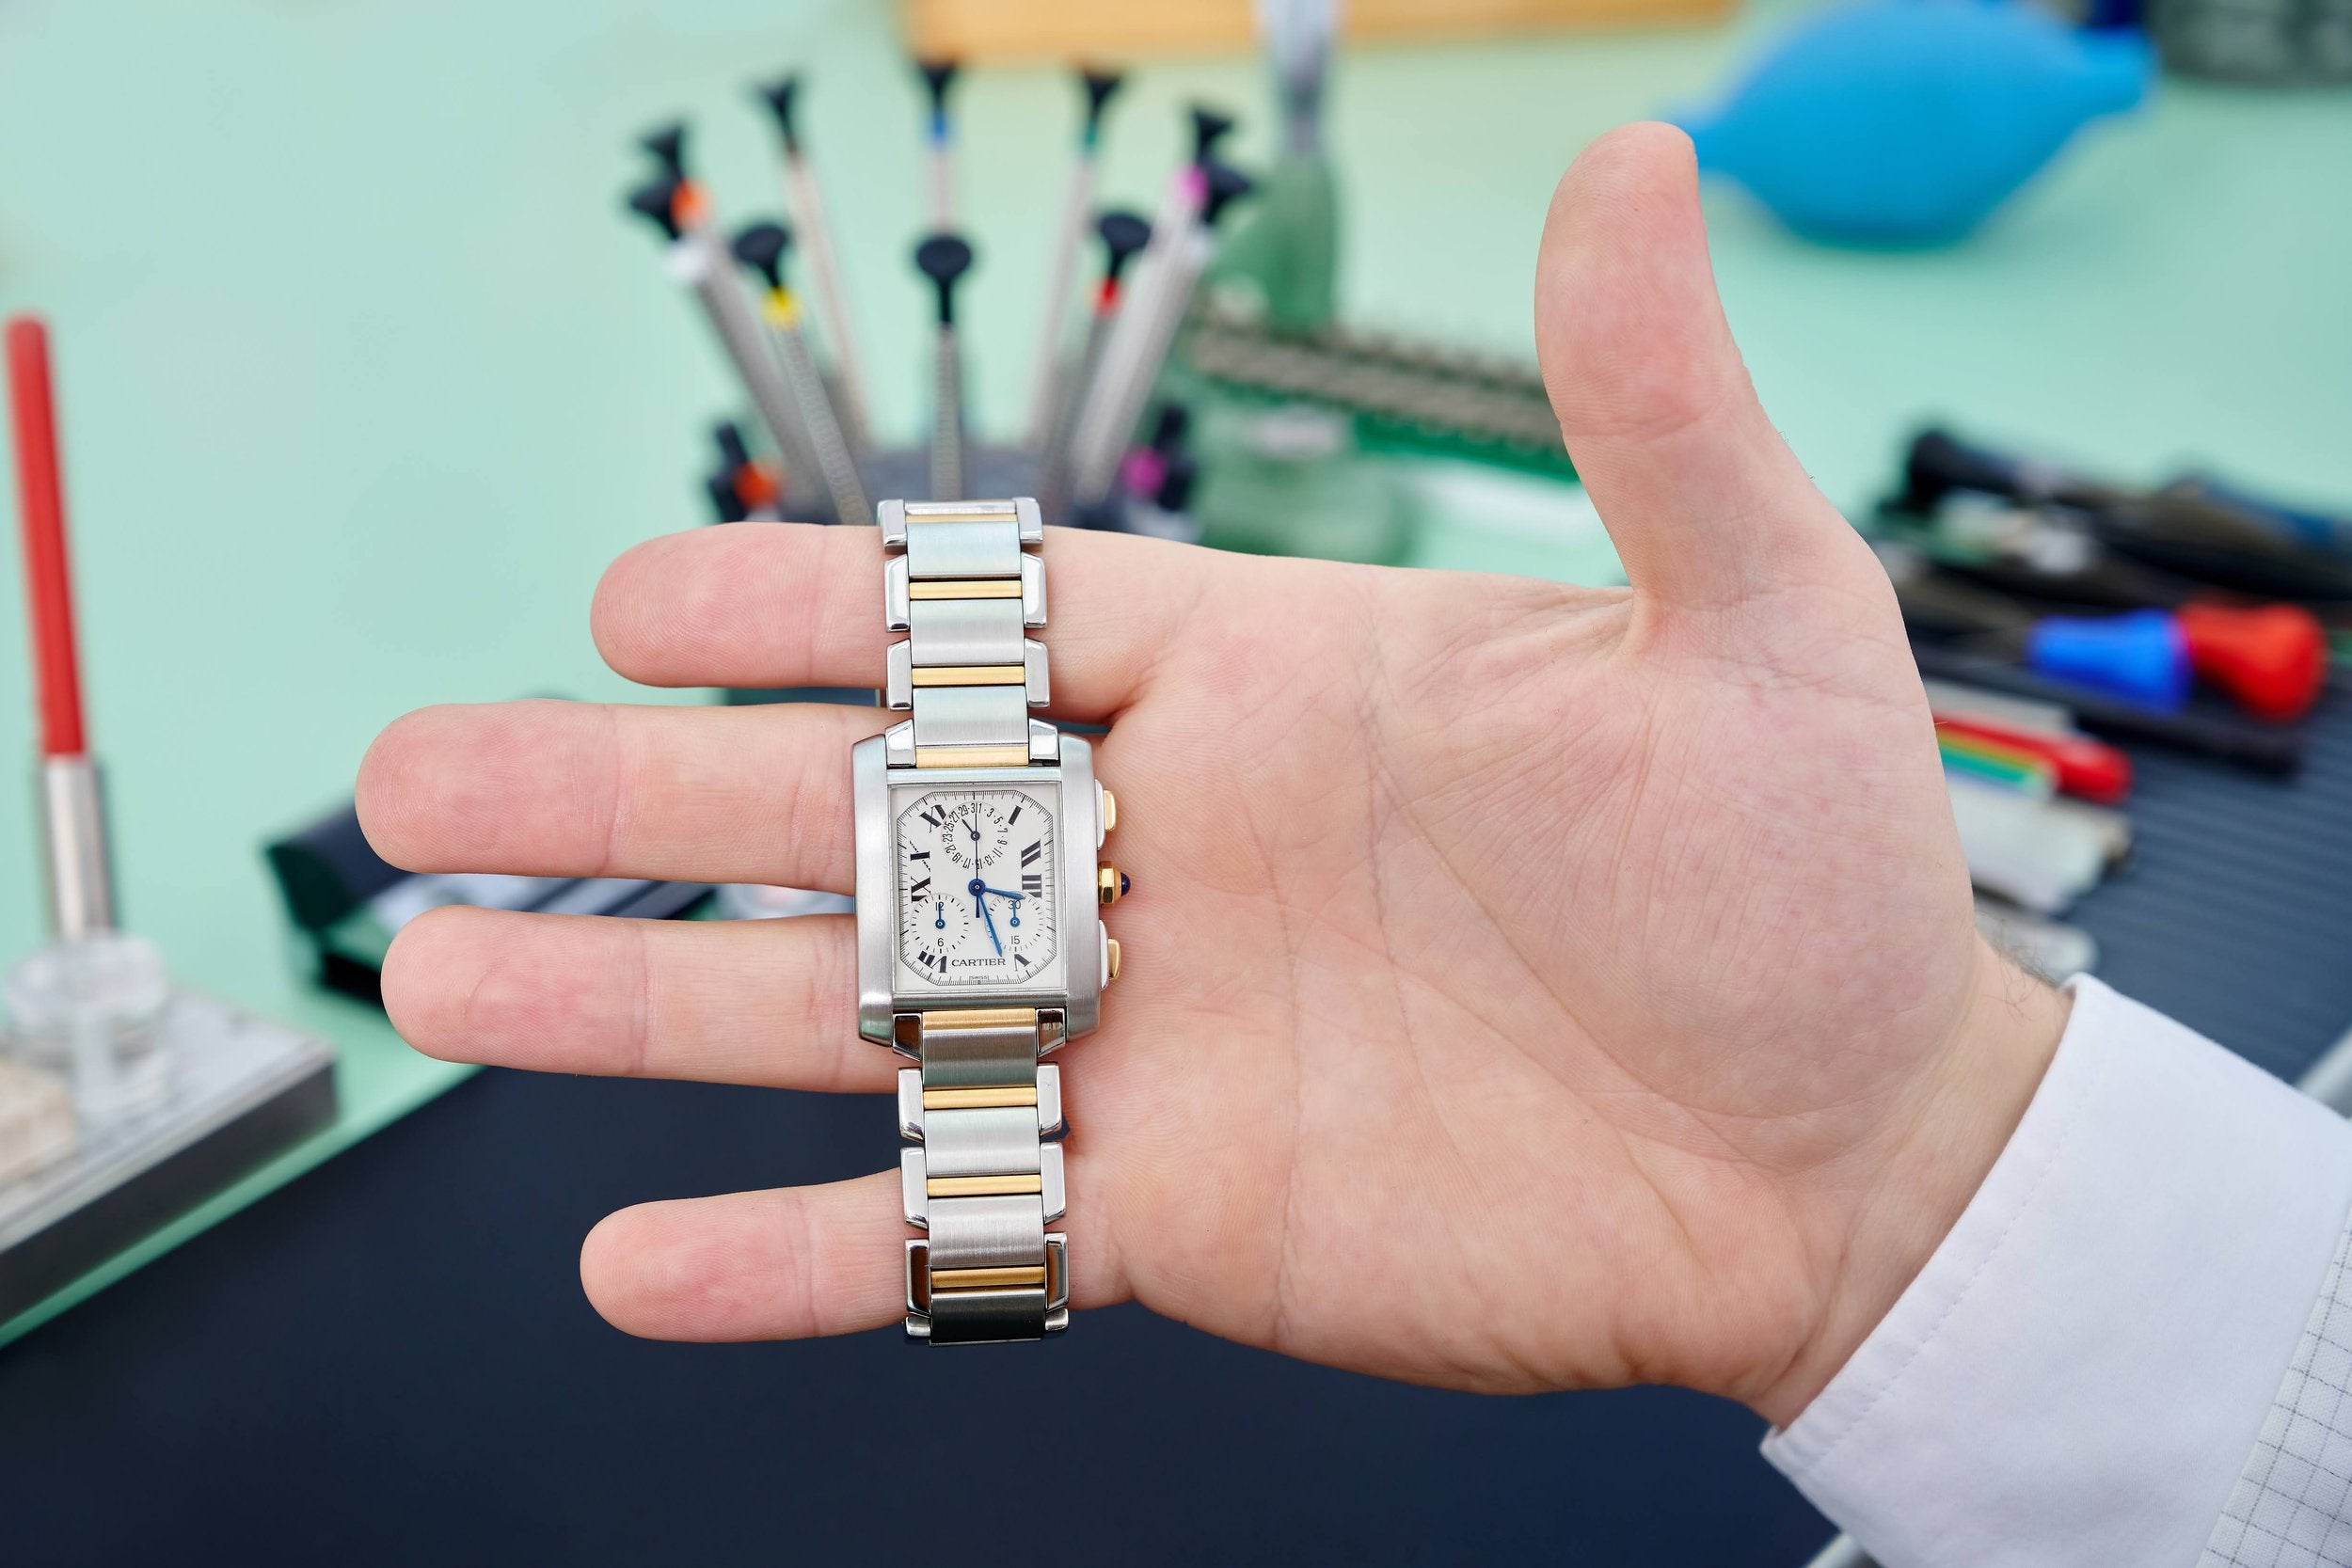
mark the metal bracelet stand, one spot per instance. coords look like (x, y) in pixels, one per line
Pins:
(125, 1098)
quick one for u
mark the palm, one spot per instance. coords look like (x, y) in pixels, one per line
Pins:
(1473, 988)
(1529, 987)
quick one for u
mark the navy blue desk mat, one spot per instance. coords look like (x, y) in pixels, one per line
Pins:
(390, 1362)
(2235, 913)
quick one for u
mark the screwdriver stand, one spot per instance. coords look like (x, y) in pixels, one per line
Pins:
(988, 471)
(124, 1100)
(198, 1093)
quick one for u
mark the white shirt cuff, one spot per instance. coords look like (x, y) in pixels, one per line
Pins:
(2078, 1375)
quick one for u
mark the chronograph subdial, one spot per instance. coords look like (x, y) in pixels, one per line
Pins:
(975, 887)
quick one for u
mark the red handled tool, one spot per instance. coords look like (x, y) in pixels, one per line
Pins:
(2273, 658)
(74, 816)
(2088, 769)
(48, 584)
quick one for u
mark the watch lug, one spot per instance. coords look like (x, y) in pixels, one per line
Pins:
(910, 1104)
(1081, 907)
(870, 789)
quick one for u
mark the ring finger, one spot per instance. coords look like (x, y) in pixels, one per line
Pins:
(737, 1002)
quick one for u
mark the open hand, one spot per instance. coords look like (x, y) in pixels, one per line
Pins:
(1526, 986)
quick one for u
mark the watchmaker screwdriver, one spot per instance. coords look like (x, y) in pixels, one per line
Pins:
(2193, 534)
(1076, 202)
(944, 258)
(697, 261)
(763, 247)
(1123, 234)
(1187, 189)
(938, 77)
(1140, 343)
(805, 202)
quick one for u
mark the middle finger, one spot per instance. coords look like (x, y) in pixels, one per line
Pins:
(765, 1002)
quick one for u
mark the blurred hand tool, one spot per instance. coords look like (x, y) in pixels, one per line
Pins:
(806, 203)
(2192, 534)
(1078, 200)
(763, 247)
(944, 258)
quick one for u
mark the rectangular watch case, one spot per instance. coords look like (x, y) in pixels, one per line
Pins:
(1079, 829)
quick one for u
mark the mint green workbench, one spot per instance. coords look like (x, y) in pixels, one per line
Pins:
(363, 376)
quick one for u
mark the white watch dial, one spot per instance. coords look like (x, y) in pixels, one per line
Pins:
(976, 886)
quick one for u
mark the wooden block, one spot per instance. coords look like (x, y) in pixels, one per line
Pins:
(1135, 30)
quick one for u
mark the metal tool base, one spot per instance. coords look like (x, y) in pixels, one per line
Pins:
(907, 471)
(244, 1089)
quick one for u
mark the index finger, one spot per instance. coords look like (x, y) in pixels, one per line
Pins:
(791, 604)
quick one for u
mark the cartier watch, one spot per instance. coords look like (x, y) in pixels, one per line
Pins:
(980, 939)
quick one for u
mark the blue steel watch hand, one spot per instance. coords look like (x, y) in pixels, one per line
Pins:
(981, 906)
(991, 924)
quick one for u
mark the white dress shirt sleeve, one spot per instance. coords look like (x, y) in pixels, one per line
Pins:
(2085, 1372)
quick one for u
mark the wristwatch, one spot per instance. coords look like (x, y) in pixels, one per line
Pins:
(979, 931)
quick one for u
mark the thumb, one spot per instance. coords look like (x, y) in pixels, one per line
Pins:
(1706, 504)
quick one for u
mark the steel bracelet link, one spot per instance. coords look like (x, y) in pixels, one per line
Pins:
(961, 579)
(982, 1177)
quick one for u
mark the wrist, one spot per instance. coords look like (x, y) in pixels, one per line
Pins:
(1906, 1192)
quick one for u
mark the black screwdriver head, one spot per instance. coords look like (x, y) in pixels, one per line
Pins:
(1209, 127)
(1176, 482)
(667, 143)
(938, 77)
(656, 201)
(761, 246)
(943, 259)
(1227, 185)
(1938, 465)
(1168, 428)
(779, 96)
(726, 502)
(728, 437)
(1123, 234)
(1099, 85)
